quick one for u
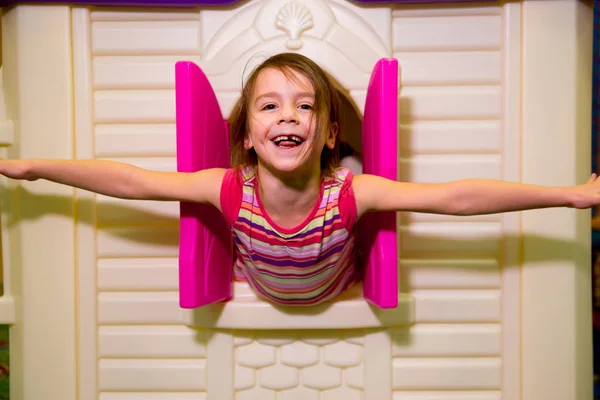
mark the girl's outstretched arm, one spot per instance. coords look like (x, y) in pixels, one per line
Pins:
(121, 180)
(469, 196)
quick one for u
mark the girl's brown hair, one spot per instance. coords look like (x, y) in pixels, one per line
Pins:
(326, 108)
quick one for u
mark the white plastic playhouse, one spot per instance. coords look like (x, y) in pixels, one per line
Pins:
(491, 307)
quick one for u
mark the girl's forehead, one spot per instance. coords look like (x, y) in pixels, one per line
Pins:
(275, 80)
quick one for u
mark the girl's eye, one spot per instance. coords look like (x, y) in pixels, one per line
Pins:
(306, 106)
(269, 107)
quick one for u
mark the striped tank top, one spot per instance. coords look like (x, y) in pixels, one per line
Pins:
(309, 264)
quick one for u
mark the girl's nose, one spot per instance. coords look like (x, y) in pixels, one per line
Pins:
(288, 115)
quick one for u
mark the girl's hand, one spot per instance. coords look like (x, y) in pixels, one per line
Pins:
(17, 169)
(588, 194)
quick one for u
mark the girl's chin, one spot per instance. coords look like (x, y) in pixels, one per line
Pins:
(291, 166)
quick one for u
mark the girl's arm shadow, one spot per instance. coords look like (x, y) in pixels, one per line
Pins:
(19, 204)
(31, 206)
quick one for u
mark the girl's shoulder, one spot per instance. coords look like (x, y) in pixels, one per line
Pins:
(231, 188)
(339, 176)
(241, 174)
(342, 179)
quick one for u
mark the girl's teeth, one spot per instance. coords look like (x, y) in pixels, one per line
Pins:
(287, 141)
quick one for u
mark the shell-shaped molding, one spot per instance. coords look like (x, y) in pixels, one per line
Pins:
(294, 18)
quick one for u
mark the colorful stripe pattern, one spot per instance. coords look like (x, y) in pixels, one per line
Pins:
(312, 265)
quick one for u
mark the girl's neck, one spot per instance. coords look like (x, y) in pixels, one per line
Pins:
(288, 199)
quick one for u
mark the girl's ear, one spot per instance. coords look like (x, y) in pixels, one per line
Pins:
(247, 142)
(333, 132)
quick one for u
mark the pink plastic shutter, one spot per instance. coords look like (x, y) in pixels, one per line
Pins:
(205, 246)
(376, 232)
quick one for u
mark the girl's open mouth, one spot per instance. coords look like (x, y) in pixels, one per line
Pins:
(288, 141)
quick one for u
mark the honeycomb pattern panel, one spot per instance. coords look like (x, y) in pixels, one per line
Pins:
(302, 366)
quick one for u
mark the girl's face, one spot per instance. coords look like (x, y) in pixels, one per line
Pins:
(282, 123)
